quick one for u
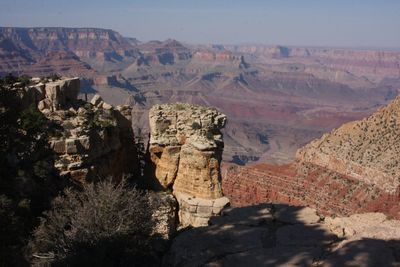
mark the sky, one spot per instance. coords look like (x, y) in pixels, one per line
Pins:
(335, 23)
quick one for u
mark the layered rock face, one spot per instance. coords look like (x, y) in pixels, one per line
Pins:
(374, 65)
(367, 150)
(331, 193)
(83, 42)
(158, 53)
(186, 148)
(216, 57)
(281, 235)
(92, 140)
(353, 169)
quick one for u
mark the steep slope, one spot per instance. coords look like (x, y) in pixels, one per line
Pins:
(367, 149)
(353, 169)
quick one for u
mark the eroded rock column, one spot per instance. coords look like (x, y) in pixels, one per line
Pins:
(186, 149)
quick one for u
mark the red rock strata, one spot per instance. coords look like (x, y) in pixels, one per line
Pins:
(306, 184)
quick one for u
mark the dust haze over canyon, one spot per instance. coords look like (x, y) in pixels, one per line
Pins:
(277, 98)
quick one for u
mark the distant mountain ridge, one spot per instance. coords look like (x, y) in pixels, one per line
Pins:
(277, 98)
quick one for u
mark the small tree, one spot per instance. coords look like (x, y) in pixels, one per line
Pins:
(104, 225)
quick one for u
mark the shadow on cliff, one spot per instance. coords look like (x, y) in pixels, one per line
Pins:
(275, 235)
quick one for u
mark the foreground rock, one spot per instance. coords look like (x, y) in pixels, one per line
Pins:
(280, 235)
(186, 149)
(92, 140)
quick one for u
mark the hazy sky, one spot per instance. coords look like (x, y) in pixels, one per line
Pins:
(365, 23)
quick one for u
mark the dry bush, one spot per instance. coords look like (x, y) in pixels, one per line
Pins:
(104, 225)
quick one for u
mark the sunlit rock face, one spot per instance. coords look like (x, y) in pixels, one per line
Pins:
(186, 149)
(352, 169)
(92, 141)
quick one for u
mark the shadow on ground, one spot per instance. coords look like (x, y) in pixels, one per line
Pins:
(276, 235)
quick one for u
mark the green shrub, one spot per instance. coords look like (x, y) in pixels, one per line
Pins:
(196, 126)
(104, 225)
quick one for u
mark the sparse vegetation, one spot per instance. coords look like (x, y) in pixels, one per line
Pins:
(196, 126)
(104, 225)
(98, 119)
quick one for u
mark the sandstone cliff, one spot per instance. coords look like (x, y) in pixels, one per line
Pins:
(186, 148)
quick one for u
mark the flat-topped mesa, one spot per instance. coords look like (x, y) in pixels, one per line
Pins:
(186, 149)
(367, 150)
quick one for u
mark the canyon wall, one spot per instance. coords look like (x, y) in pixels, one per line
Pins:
(83, 42)
(185, 148)
(353, 169)
(367, 150)
(372, 64)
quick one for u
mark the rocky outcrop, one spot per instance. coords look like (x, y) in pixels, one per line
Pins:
(91, 140)
(164, 215)
(96, 142)
(185, 148)
(280, 235)
(60, 94)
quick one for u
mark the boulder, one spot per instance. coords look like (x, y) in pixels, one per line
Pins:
(96, 100)
(62, 93)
